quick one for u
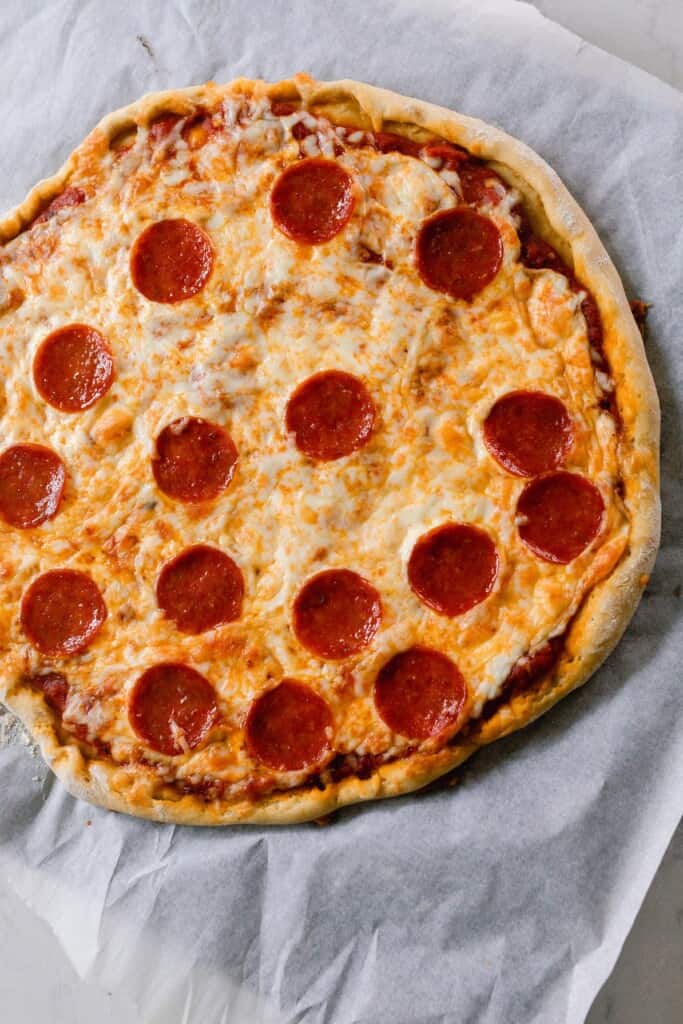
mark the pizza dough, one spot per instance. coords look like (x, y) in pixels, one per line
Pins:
(331, 451)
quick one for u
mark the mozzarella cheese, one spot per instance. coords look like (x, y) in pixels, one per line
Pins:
(272, 314)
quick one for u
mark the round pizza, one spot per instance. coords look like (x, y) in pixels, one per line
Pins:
(329, 450)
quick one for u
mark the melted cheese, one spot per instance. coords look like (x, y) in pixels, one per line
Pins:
(272, 314)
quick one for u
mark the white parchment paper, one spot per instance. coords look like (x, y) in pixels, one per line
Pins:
(507, 897)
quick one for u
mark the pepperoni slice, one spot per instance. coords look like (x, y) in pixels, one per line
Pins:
(532, 666)
(312, 200)
(479, 183)
(289, 728)
(172, 707)
(528, 432)
(171, 261)
(300, 131)
(62, 611)
(32, 482)
(459, 252)
(525, 674)
(450, 156)
(453, 567)
(330, 415)
(73, 368)
(420, 693)
(200, 588)
(195, 460)
(163, 127)
(54, 687)
(536, 253)
(558, 516)
(389, 142)
(591, 314)
(71, 196)
(336, 614)
(280, 108)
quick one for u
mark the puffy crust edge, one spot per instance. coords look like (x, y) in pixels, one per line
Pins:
(609, 606)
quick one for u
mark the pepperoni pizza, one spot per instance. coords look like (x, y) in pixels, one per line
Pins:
(328, 450)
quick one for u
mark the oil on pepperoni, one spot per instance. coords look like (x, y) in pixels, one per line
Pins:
(336, 614)
(172, 708)
(289, 728)
(453, 567)
(194, 461)
(62, 611)
(312, 201)
(171, 261)
(420, 693)
(559, 515)
(200, 588)
(73, 368)
(459, 252)
(32, 482)
(528, 432)
(330, 415)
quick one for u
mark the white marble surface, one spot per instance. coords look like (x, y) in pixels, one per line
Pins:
(36, 979)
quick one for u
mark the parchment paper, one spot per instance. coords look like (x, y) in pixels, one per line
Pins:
(507, 897)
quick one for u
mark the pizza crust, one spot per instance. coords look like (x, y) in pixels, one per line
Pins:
(603, 616)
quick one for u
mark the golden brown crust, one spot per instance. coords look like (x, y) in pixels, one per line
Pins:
(601, 620)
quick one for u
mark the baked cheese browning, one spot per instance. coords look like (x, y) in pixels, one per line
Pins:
(332, 349)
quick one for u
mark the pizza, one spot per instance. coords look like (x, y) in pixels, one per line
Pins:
(329, 451)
